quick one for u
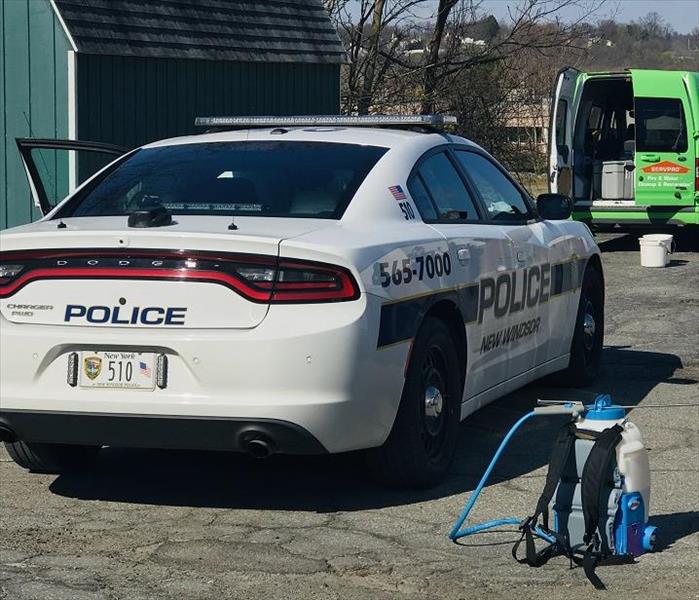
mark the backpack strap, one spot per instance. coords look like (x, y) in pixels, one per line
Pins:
(592, 488)
(590, 561)
(560, 452)
(562, 447)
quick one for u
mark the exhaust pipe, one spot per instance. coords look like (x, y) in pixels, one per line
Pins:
(259, 447)
(6, 434)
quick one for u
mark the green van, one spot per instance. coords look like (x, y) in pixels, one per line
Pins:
(625, 146)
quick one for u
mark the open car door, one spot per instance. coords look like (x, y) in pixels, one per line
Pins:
(48, 176)
(562, 122)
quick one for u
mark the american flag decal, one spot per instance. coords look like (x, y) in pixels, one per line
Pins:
(144, 369)
(397, 192)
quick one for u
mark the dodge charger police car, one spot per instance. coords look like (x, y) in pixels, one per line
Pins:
(289, 285)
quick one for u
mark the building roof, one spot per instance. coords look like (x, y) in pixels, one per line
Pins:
(287, 31)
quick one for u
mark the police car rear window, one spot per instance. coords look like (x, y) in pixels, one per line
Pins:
(273, 179)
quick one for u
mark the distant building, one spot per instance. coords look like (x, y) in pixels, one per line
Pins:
(527, 129)
(130, 72)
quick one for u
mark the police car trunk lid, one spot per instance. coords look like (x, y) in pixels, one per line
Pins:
(97, 272)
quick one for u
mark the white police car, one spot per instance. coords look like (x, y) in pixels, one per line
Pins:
(300, 286)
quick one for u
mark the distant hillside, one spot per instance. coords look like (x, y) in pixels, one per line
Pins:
(646, 43)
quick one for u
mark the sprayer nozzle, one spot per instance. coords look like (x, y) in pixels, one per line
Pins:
(559, 408)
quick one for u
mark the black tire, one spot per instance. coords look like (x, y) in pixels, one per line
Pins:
(52, 458)
(588, 338)
(421, 445)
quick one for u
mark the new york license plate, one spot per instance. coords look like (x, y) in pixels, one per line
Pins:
(124, 370)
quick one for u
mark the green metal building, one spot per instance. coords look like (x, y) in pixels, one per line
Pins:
(128, 72)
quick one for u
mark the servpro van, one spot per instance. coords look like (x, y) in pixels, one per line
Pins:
(624, 146)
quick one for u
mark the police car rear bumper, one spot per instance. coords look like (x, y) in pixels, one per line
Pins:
(315, 368)
(258, 437)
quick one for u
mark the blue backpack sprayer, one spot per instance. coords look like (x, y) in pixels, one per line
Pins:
(597, 488)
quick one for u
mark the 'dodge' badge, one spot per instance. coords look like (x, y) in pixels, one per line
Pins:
(93, 366)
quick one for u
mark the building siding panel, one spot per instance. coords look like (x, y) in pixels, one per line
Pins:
(3, 116)
(41, 93)
(17, 202)
(34, 93)
(132, 100)
(61, 48)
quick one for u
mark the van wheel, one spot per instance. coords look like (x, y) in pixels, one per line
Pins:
(588, 338)
(421, 445)
(52, 458)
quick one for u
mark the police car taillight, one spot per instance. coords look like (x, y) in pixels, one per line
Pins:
(258, 278)
(296, 281)
(8, 272)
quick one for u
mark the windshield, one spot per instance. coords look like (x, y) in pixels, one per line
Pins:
(273, 179)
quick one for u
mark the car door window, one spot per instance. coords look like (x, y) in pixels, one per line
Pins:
(660, 125)
(448, 193)
(503, 199)
(422, 199)
(54, 166)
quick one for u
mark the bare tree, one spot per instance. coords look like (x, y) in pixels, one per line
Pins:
(373, 32)
(432, 55)
(376, 33)
(534, 28)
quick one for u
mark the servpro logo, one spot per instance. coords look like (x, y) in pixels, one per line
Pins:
(666, 167)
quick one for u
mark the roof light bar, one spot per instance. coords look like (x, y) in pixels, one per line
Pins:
(432, 121)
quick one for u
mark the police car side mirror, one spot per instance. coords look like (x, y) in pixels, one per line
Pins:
(554, 206)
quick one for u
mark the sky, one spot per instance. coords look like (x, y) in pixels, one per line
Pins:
(682, 15)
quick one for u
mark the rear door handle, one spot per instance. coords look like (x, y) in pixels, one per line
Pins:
(521, 256)
(464, 255)
(650, 157)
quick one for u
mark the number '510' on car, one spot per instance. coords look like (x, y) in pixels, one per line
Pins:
(298, 285)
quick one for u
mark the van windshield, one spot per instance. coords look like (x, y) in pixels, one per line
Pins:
(274, 179)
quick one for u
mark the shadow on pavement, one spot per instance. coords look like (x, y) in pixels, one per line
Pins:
(339, 483)
(674, 527)
(671, 528)
(686, 240)
(621, 243)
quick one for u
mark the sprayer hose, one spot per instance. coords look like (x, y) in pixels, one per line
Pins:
(456, 531)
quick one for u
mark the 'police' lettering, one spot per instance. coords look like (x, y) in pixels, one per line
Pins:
(512, 292)
(152, 321)
(533, 300)
(117, 315)
(74, 311)
(486, 296)
(545, 282)
(98, 314)
(501, 308)
(175, 316)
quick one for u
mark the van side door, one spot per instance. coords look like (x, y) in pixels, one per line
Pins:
(665, 145)
(562, 121)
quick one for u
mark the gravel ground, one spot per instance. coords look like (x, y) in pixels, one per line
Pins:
(191, 525)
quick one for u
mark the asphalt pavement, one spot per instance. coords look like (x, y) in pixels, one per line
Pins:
(195, 525)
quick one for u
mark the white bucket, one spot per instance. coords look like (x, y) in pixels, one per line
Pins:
(656, 249)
